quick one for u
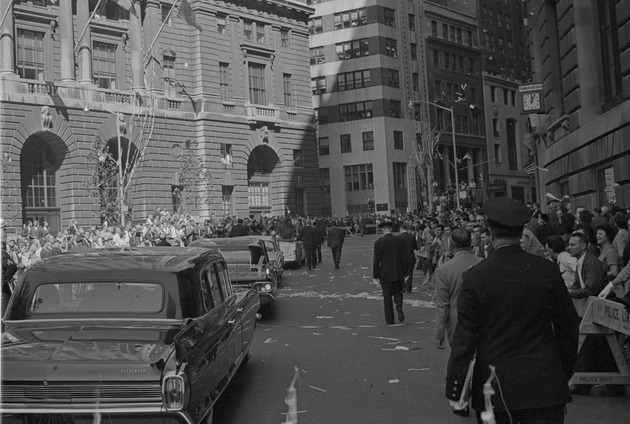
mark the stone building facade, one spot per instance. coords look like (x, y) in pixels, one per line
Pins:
(234, 95)
(581, 52)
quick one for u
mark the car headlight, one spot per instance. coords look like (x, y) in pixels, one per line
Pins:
(174, 392)
(267, 287)
(267, 271)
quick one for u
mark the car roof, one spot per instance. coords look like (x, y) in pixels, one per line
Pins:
(116, 259)
(231, 241)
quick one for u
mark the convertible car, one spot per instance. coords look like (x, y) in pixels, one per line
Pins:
(249, 265)
(138, 335)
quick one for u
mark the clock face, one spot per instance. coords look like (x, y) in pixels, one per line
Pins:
(531, 101)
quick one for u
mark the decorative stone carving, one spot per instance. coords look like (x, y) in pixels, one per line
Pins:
(46, 118)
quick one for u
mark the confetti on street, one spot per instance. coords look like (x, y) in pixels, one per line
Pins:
(270, 341)
(418, 369)
(317, 388)
(394, 381)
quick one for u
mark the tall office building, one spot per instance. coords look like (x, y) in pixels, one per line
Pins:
(369, 60)
(580, 113)
(506, 66)
(230, 95)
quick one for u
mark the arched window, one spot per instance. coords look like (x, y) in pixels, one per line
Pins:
(38, 174)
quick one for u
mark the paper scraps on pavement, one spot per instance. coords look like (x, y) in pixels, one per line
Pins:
(324, 317)
(291, 400)
(418, 369)
(382, 338)
(394, 381)
(270, 341)
(317, 388)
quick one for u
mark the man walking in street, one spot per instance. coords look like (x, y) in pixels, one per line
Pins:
(336, 237)
(514, 314)
(448, 282)
(389, 271)
(410, 245)
(308, 236)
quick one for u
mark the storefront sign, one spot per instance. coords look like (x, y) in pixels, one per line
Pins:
(382, 206)
(497, 185)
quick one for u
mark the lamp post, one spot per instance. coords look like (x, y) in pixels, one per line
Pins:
(449, 109)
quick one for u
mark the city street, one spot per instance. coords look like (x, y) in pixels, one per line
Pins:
(352, 367)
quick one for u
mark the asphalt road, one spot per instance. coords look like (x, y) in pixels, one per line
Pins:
(354, 369)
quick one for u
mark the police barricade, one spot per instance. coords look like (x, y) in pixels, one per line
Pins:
(601, 316)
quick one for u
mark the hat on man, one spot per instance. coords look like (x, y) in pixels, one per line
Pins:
(507, 212)
(386, 223)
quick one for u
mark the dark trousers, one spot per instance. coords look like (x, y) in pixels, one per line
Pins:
(392, 290)
(336, 254)
(319, 253)
(409, 281)
(548, 415)
(311, 258)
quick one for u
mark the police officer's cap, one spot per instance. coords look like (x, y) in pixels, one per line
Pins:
(507, 212)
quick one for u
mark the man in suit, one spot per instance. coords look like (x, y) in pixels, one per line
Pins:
(321, 228)
(595, 354)
(389, 271)
(308, 235)
(410, 245)
(336, 237)
(448, 281)
(240, 229)
(515, 314)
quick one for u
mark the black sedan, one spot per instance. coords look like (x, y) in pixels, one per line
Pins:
(138, 335)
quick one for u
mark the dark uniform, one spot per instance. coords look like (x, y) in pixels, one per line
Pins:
(389, 269)
(336, 237)
(308, 235)
(410, 245)
(515, 313)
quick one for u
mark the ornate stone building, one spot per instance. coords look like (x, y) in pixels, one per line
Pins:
(233, 93)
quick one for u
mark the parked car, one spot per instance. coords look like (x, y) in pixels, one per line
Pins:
(293, 252)
(248, 264)
(132, 335)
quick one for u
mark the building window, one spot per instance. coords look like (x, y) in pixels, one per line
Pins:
(30, 54)
(351, 18)
(226, 153)
(511, 145)
(321, 115)
(352, 49)
(287, 90)
(317, 55)
(345, 143)
(39, 181)
(368, 140)
(355, 111)
(395, 109)
(437, 87)
(315, 26)
(104, 65)
(258, 194)
(417, 112)
(298, 159)
(445, 31)
(247, 30)
(400, 175)
(257, 94)
(492, 94)
(352, 80)
(608, 34)
(391, 47)
(324, 180)
(415, 81)
(224, 81)
(458, 35)
(434, 30)
(398, 140)
(221, 24)
(412, 22)
(359, 177)
(413, 51)
(284, 38)
(226, 200)
(324, 146)
(168, 73)
(318, 85)
(389, 16)
(393, 78)
(260, 32)
(469, 37)
(497, 154)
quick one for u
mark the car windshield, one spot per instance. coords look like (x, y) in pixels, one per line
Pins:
(97, 297)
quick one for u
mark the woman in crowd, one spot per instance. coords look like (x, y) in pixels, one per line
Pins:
(609, 256)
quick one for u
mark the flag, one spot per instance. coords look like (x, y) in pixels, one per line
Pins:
(530, 169)
(186, 13)
(467, 156)
(127, 5)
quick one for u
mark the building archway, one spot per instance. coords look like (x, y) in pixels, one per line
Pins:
(262, 187)
(41, 158)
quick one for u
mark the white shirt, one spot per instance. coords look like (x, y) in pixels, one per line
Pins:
(579, 269)
(568, 268)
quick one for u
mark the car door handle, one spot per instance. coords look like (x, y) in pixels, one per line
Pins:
(231, 321)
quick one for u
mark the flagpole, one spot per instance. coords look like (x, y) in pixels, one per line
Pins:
(148, 53)
(87, 24)
(6, 13)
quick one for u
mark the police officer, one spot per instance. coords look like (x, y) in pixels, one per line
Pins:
(389, 271)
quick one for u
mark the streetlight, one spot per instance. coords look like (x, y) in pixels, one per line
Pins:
(449, 109)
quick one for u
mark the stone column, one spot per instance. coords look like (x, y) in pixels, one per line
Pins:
(85, 43)
(7, 65)
(135, 39)
(66, 59)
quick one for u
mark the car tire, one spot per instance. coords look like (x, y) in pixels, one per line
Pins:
(265, 310)
(246, 359)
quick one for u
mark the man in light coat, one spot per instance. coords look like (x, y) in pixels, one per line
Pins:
(448, 281)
